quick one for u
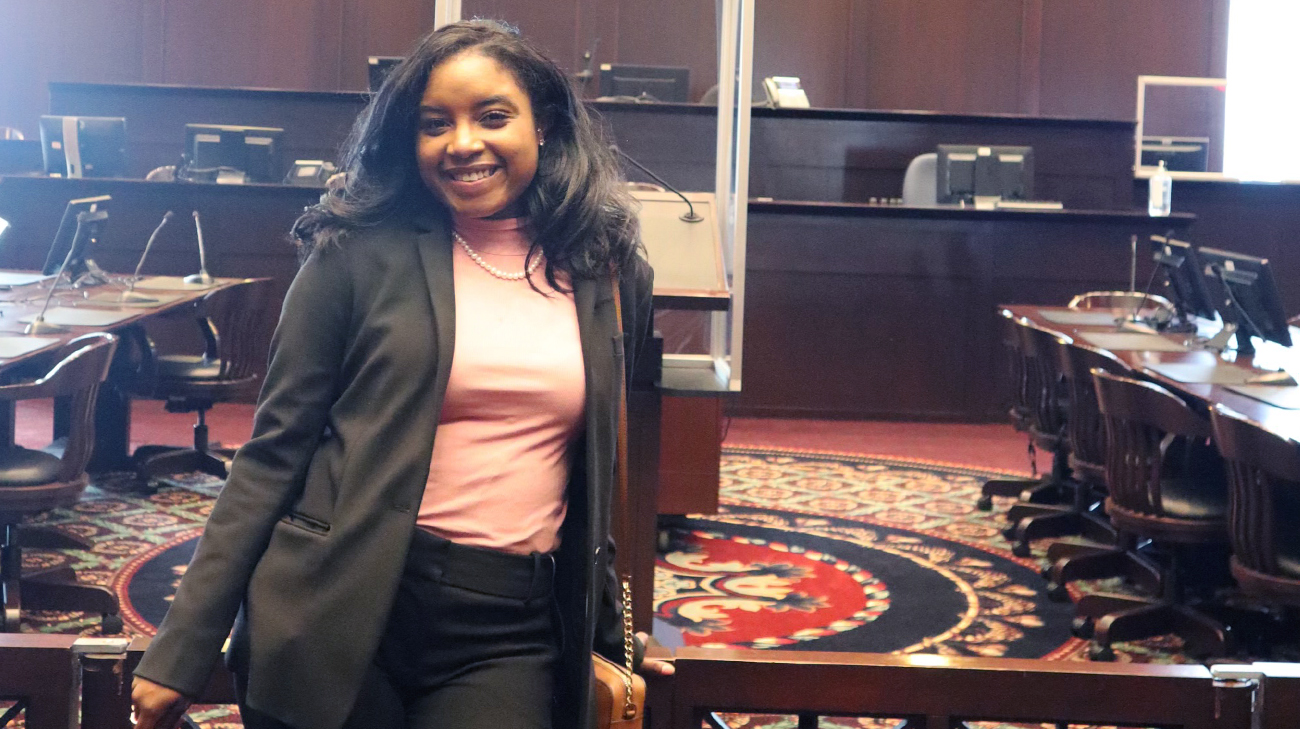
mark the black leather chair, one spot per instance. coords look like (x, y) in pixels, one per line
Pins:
(1167, 485)
(1085, 516)
(227, 319)
(1030, 413)
(34, 481)
(1048, 415)
(1124, 301)
(1263, 514)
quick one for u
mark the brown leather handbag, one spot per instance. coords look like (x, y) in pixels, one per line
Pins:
(620, 693)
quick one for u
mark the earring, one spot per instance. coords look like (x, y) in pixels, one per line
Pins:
(541, 140)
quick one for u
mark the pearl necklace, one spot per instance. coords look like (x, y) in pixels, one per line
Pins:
(475, 257)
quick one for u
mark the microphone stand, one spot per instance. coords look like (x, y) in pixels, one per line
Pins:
(690, 216)
(588, 56)
(39, 325)
(202, 276)
(130, 294)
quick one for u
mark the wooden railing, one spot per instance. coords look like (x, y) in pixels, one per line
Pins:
(38, 677)
(43, 672)
(935, 692)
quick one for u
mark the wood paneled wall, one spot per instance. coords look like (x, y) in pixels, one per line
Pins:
(1048, 57)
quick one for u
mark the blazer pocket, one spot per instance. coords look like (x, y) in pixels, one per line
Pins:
(306, 523)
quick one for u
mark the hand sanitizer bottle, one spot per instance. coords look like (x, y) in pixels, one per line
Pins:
(1160, 194)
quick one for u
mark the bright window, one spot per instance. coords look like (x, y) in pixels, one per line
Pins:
(1262, 122)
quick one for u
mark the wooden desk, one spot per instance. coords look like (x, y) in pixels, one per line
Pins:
(888, 312)
(1285, 423)
(245, 229)
(803, 154)
(113, 405)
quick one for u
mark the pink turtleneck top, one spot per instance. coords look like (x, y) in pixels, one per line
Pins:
(514, 403)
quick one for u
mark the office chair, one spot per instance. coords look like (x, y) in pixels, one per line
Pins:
(227, 319)
(166, 173)
(1048, 418)
(1130, 301)
(1263, 509)
(35, 481)
(1029, 416)
(1167, 485)
(1084, 481)
(920, 186)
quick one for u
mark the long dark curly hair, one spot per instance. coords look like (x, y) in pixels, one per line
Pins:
(579, 213)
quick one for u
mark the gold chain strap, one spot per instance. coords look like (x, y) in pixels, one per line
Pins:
(629, 649)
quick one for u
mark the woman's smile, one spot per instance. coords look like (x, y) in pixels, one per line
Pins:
(477, 140)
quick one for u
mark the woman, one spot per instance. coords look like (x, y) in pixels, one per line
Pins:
(377, 576)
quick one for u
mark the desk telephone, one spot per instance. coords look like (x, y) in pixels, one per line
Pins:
(785, 91)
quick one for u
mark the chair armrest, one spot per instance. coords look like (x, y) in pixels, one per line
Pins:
(27, 391)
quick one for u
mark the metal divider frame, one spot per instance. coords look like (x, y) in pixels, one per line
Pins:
(1140, 172)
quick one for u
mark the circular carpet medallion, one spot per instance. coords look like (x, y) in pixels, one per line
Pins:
(145, 585)
(811, 551)
(761, 579)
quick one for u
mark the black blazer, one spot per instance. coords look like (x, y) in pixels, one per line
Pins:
(304, 548)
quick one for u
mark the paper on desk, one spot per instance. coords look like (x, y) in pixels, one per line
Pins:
(11, 346)
(1104, 317)
(170, 283)
(1213, 373)
(1287, 398)
(115, 298)
(1120, 341)
(10, 279)
(75, 317)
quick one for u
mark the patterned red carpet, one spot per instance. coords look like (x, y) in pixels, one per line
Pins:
(853, 553)
(812, 550)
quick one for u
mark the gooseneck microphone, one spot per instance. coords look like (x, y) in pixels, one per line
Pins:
(130, 294)
(38, 324)
(690, 216)
(202, 276)
(588, 59)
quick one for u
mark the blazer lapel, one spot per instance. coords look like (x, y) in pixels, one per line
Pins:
(434, 247)
(601, 352)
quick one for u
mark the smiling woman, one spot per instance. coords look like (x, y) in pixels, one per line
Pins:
(478, 140)
(431, 467)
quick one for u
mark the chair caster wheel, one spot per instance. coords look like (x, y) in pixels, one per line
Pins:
(1020, 550)
(1057, 592)
(1009, 534)
(985, 503)
(111, 624)
(1046, 573)
(1081, 627)
(1101, 653)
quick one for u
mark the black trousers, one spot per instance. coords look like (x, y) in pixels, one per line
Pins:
(470, 644)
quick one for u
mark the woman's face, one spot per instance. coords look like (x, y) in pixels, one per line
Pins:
(477, 140)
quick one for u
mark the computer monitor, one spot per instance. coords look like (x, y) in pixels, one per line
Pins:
(966, 171)
(84, 146)
(21, 157)
(648, 83)
(1248, 298)
(77, 239)
(1181, 154)
(1184, 278)
(229, 153)
(378, 67)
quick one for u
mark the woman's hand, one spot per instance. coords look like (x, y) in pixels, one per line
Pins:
(154, 706)
(653, 666)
